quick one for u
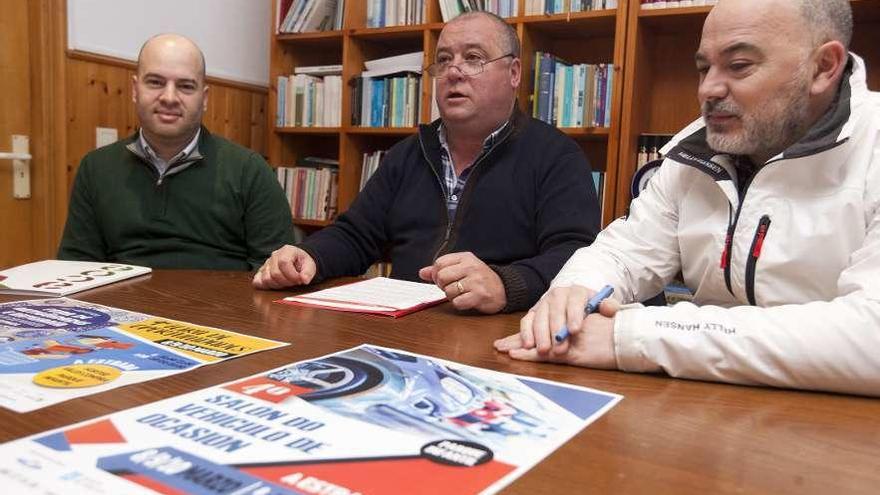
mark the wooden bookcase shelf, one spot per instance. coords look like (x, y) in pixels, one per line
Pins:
(580, 37)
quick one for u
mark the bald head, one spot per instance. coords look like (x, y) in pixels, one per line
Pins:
(829, 20)
(172, 45)
(813, 21)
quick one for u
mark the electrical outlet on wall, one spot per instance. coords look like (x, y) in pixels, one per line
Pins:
(105, 136)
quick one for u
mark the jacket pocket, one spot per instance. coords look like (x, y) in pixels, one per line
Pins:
(754, 254)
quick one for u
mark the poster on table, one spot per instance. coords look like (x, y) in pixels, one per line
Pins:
(368, 420)
(53, 350)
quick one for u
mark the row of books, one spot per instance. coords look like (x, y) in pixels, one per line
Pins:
(649, 148)
(311, 188)
(299, 16)
(369, 165)
(391, 101)
(665, 4)
(534, 7)
(381, 13)
(449, 9)
(309, 101)
(572, 95)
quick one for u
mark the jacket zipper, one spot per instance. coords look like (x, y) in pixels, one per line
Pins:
(450, 224)
(728, 244)
(727, 254)
(754, 254)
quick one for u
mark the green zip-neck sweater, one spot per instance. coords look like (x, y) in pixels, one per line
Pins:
(225, 211)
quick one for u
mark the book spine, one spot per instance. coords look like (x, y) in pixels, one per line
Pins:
(280, 103)
(545, 88)
(558, 94)
(377, 103)
(567, 96)
(367, 102)
(580, 79)
(609, 75)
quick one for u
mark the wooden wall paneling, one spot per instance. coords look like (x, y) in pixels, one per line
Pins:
(257, 124)
(78, 75)
(215, 116)
(15, 99)
(238, 116)
(103, 99)
(48, 23)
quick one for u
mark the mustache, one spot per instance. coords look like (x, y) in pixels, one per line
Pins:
(720, 106)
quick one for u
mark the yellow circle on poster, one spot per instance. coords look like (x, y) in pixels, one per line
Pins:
(77, 376)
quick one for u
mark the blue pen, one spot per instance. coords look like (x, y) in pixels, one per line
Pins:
(592, 307)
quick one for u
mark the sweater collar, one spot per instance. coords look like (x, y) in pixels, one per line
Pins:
(191, 154)
(430, 140)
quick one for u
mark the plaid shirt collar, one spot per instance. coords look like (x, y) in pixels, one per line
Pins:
(454, 185)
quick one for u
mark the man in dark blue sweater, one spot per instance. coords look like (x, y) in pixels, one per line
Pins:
(485, 202)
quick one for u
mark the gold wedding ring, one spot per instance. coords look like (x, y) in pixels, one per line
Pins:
(459, 287)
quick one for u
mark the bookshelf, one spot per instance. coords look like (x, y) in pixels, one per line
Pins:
(660, 79)
(578, 37)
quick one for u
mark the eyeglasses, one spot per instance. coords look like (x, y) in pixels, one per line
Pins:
(467, 67)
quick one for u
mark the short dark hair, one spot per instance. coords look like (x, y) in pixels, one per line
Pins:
(506, 32)
(829, 20)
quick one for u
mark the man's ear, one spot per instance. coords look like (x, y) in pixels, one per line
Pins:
(829, 61)
(134, 92)
(515, 72)
(205, 98)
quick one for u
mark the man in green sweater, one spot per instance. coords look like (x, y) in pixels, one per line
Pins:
(173, 195)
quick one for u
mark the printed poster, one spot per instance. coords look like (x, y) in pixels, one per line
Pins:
(53, 350)
(368, 420)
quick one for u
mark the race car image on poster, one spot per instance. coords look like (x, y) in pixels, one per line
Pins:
(413, 393)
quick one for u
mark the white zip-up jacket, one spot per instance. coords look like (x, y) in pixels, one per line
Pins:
(785, 275)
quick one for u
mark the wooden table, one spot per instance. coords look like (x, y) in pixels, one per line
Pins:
(666, 436)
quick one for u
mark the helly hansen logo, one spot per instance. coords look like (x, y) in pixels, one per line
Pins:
(695, 327)
(712, 166)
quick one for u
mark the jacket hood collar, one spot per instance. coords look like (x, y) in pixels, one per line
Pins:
(832, 129)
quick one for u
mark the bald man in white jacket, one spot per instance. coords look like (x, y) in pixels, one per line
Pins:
(769, 205)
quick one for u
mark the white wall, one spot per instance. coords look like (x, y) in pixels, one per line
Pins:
(233, 34)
